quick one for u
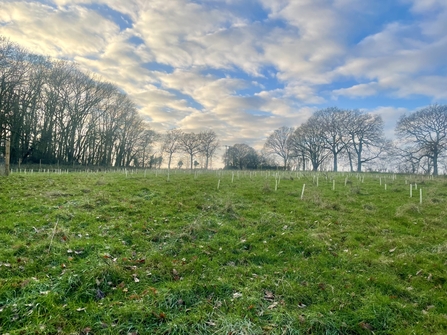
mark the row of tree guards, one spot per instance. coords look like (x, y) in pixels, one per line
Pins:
(315, 181)
(276, 175)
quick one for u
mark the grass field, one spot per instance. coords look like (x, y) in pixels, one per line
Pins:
(106, 253)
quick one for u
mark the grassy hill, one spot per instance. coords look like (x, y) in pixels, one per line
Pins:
(222, 253)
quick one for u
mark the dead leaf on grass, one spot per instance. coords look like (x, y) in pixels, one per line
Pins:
(87, 330)
(273, 305)
(268, 295)
(365, 325)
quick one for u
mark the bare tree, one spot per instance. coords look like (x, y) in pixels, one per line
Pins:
(145, 143)
(365, 136)
(424, 134)
(307, 141)
(190, 143)
(241, 156)
(278, 144)
(171, 144)
(333, 124)
(208, 145)
(266, 160)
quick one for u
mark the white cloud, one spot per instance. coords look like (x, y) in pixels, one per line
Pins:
(398, 61)
(121, 62)
(128, 7)
(171, 30)
(360, 90)
(56, 32)
(423, 6)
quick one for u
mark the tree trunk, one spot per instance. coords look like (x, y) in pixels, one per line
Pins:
(206, 162)
(169, 162)
(350, 161)
(435, 164)
(335, 161)
(359, 157)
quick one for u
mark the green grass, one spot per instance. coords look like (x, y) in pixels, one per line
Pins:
(99, 253)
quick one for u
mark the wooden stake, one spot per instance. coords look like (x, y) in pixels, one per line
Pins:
(302, 192)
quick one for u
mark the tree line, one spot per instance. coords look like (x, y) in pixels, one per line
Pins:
(331, 133)
(358, 137)
(52, 112)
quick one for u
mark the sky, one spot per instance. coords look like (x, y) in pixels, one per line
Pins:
(244, 68)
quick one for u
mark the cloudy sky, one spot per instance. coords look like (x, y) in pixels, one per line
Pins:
(246, 67)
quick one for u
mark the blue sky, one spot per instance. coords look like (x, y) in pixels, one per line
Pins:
(246, 67)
